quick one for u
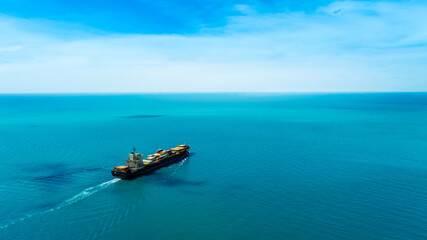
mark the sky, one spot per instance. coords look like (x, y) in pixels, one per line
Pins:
(138, 46)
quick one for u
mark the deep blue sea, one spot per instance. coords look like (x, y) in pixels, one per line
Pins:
(263, 166)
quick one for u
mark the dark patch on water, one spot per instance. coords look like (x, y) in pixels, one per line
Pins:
(66, 173)
(47, 167)
(52, 182)
(52, 178)
(145, 116)
(60, 175)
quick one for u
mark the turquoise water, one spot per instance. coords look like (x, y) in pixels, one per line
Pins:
(325, 166)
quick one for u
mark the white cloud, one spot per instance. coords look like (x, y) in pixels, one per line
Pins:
(245, 9)
(345, 46)
(10, 48)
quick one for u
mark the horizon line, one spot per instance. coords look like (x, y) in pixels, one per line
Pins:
(219, 92)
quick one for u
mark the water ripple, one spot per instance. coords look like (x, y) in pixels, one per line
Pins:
(78, 197)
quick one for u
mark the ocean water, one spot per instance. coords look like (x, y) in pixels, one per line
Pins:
(263, 166)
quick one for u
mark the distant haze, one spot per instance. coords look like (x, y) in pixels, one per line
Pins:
(213, 46)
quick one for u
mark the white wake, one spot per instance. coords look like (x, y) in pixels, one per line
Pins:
(178, 165)
(80, 196)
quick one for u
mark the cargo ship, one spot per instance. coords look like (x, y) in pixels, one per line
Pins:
(137, 166)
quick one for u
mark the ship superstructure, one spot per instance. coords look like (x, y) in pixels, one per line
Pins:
(136, 165)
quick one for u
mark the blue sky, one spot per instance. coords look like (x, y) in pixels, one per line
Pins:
(212, 46)
(144, 16)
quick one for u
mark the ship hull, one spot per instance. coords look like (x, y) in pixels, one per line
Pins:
(150, 168)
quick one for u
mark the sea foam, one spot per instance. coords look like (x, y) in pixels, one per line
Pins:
(78, 197)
